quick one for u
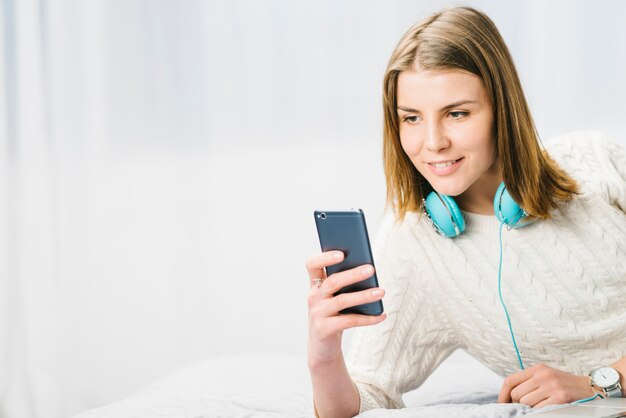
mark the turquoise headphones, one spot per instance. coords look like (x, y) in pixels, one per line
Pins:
(447, 219)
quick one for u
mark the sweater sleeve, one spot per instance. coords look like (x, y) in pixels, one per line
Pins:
(397, 355)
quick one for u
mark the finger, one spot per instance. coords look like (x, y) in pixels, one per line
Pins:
(505, 393)
(343, 322)
(523, 389)
(545, 402)
(511, 382)
(346, 300)
(534, 397)
(315, 265)
(338, 281)
(334, 324)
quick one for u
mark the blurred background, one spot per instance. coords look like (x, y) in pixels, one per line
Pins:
(160, 162)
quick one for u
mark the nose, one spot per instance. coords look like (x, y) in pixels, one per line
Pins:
(436, 138)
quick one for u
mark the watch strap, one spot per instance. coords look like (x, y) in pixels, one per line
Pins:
(614, 392)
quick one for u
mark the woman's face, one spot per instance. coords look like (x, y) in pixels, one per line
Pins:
(446, 128)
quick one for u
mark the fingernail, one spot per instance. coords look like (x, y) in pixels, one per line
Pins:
(367, 270)
(337, 256)
(377, 292)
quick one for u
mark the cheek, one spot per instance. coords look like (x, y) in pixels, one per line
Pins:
(485, 131)
(410, 143)
(478, 139)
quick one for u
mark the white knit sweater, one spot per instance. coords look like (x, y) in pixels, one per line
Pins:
(563, 281)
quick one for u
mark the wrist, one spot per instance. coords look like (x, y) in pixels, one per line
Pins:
(595, 390)
(317, 366)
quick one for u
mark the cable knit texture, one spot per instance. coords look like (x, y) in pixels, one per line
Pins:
(563, 281)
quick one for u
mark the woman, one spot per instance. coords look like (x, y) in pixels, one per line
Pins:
(457, 124)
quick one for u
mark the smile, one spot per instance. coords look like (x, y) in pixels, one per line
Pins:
(444, 167)
(443, 164)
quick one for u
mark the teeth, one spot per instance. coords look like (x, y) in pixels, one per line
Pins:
(441, 165)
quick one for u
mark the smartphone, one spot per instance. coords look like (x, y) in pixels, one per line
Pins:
(346, 231)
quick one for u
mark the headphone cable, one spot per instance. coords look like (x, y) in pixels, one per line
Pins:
(508, 318)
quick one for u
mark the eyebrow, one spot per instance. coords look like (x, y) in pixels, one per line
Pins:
(446, 107)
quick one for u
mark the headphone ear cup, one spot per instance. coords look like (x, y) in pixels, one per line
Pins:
(506, 209)
(444, 214)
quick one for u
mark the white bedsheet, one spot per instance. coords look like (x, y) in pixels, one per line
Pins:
(244, 387)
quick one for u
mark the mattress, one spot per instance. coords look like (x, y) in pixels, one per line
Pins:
(264, 386)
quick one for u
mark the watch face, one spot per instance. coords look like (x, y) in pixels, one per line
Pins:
(605, 376)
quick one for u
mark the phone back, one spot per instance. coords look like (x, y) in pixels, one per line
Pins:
(346, 231)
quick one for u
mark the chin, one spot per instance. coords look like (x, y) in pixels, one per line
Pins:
(448, 189)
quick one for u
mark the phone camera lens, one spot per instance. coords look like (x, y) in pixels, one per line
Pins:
(323, 216)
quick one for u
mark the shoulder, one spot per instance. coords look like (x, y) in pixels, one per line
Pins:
(586, 149)
(398, 250)
(595, 161)
(391, 242)
(394, 233)
(399, 237)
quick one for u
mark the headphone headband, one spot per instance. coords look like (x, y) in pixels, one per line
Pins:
(447, 219)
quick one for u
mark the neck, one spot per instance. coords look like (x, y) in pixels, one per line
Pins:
(478, 198)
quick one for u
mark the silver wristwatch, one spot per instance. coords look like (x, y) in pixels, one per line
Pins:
(607, 380)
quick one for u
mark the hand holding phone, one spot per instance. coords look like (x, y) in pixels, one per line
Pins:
(347, 289)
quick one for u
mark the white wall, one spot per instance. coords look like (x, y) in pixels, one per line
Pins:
(185, 147)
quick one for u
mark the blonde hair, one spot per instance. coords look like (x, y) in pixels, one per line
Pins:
(465, 38)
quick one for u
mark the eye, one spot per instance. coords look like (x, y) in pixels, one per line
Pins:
(458, 114)
(411, 119)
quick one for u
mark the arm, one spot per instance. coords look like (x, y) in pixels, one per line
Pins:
(334, 392)
(388, 359)
(397, 355)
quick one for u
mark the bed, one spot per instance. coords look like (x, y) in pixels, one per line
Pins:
(262, 386)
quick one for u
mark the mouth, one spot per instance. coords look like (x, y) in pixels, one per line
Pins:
(444, 167)
(443, 164)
